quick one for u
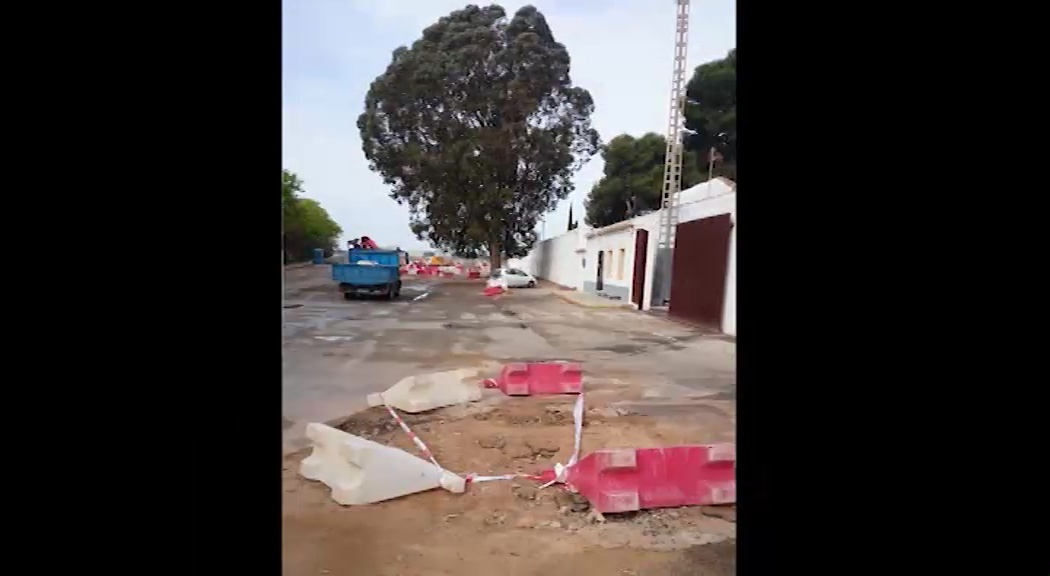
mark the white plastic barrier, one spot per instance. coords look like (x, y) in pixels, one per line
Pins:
(429, 391)
(359, 471)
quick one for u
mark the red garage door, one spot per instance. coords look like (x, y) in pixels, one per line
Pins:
(698, 273)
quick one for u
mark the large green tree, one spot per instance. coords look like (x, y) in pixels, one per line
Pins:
(632, 182)
(478, 129)
(305, 225)
(710, 110)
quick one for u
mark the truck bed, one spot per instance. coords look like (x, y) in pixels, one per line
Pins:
(363, 274)
(375, 272)
(383, 257)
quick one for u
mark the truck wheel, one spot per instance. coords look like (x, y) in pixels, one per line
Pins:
(397, 290)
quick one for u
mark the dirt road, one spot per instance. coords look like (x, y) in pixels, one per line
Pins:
(649, 382)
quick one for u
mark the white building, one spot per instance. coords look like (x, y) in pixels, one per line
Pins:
(603, 261)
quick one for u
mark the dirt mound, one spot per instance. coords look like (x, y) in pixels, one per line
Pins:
(511, 524)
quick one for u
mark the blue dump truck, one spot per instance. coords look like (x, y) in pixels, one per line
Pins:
(369, 273)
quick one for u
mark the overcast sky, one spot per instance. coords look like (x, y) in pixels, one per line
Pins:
(622, 52)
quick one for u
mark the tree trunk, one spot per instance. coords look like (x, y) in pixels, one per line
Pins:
(494, 255)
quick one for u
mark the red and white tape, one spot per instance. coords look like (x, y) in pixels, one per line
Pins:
(561, 472)
(471, 478)
(415, 439)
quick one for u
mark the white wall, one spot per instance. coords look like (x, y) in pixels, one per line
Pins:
(611, 243)
(729, 304)
(554, 259)
(558, 259)
(697, 210)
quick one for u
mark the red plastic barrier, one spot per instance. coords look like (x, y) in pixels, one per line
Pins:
(493, 290)
(529, 378)
(474, 274)
(630, 479)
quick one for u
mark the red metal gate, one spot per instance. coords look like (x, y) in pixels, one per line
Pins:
(698, 272)
(641, 244)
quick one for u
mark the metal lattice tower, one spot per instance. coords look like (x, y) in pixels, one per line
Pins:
(673, 161)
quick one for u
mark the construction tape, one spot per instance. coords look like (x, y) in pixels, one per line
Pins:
(470, 478)
(474, 478)
(561, 472)
(415, 439)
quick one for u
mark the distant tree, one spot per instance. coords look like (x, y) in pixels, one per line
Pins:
(305, 225)
(632, 183)
(478, 128)
(291, 187)
(711, 110)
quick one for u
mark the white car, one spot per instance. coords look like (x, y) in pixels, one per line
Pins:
(515, 278)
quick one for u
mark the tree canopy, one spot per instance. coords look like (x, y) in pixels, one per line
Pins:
(710, 110)
(633, 179)
(478, 129)
(634, 167)
(305, 224)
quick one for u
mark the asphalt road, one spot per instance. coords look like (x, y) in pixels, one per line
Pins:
(336, 351)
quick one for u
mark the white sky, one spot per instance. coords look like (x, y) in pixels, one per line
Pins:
(621, 50)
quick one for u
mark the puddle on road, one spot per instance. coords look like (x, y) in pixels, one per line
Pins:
(334, 338)
(293, 305)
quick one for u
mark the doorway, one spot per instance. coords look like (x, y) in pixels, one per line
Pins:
(601, 264)
(641, 245)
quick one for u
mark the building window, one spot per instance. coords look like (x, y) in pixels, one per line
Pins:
(619, 264)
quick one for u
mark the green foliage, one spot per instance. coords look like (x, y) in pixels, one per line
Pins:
(478, 129)
(634, 168)
(633, 178)
(305, 224)
(291, 187)
(711, 109)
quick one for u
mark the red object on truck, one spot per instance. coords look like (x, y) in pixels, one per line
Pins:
(628, 479)
(536, 378)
